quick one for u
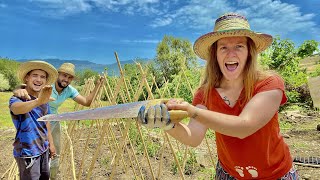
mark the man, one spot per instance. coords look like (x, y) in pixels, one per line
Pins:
(61, 91)
(33, 138)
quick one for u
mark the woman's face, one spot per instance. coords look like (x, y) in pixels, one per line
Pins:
(232, 54)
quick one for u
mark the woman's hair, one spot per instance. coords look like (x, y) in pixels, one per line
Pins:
(251, 73)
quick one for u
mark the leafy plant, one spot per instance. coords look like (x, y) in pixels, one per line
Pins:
(191, 165)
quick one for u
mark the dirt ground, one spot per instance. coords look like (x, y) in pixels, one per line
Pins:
(300, 133)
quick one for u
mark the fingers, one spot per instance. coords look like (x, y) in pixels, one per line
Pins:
(175, 104)
(22, 93)
(156, 117)
(165, 114)
(141, 115)
(100, 80)
(156, 112)
(45, 94)
(51, 99)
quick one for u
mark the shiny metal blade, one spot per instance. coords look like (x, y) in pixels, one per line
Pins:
(127, 110)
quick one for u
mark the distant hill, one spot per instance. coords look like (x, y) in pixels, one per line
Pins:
(83, 64)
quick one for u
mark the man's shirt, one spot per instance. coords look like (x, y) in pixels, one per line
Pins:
(32, 136)
(68, 92)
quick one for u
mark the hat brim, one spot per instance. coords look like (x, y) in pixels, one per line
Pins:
(26, 67)
(203, 44)
(67, 72)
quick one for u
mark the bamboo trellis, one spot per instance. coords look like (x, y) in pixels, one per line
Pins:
(109, 149)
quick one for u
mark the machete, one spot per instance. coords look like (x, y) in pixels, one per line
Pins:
(127, 110)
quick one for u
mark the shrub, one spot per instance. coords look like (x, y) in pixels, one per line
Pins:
(4, 83)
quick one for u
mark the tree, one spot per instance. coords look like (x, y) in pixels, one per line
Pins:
(282, 57)
(9, 70)
(172, 55)
(307, 48)
(83, 75)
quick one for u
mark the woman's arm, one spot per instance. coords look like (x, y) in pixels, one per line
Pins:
(257, 113)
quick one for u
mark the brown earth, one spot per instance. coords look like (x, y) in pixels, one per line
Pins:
(299, 131)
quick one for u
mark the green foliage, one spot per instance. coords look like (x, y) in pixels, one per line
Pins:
(9, 69)
(282, 57)
(184, 84)
(308, 48)
(191, 164)
(293, 96)
(5, 120)
(316, 72)
(82, 76)
(173, 54)
(4, 83)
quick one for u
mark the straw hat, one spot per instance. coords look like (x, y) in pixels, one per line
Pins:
(26, 67)
(229, 25)
(67, 68)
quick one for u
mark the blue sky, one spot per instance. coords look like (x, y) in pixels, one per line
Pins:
(94, 29)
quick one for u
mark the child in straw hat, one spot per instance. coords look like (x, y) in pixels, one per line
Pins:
(237, 101)
(61, 91)
(33, 139)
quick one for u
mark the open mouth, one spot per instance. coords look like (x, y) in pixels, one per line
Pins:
(38, 85)
(231, 66)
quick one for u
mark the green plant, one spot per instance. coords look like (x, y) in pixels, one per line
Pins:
(191, 165)
(316, 72)
(4, 83)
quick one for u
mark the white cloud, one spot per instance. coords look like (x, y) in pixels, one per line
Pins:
(161, 22)
(68, 7)
(270, 16)
(276, 17)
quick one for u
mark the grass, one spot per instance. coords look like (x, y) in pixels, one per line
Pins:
(5, 118)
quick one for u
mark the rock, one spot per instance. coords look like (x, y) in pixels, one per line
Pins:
(286, 136)
(306, 176)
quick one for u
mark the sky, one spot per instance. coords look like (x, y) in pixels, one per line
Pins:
(94, 29)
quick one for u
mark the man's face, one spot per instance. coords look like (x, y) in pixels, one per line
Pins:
(36, 79)
(64, 80)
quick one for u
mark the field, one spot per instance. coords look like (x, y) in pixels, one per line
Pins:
(298, 127)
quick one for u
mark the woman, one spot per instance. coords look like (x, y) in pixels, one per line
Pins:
(237, 101)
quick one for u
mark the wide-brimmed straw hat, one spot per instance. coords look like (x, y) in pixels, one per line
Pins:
(26, 67)
(230, 25)
(67, 68)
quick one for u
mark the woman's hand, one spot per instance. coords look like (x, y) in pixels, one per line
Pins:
(176, 104)
(156, 117)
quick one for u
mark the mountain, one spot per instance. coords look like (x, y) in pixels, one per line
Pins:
(83, 64)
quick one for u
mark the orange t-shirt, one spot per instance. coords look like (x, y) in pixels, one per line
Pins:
(262, 155)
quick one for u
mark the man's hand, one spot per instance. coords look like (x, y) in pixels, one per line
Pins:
(52, 151)
(156, 117)
(44, 95)
(21, 93)
(100, 80)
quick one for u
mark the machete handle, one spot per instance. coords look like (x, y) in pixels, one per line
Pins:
(177, 115)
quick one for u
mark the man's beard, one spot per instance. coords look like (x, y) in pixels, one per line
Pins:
(61, 86)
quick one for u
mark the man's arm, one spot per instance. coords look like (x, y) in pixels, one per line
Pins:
(25, 107)
(52, 148)
(86, 101)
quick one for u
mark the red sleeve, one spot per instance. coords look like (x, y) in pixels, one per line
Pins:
(198, 97)
(271, 83)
